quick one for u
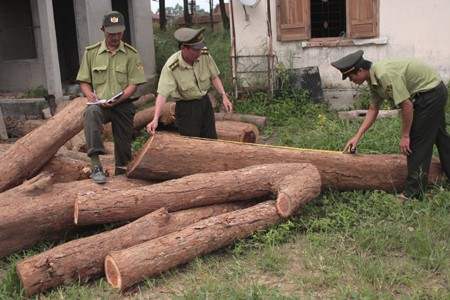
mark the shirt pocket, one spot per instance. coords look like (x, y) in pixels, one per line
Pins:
(99, 75)
(121, 75)
(187, 86)
(204, 82)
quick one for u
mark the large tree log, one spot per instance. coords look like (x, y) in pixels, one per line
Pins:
(31, 152)
(69, 165)
(145, 116)
(38, 209)
(126, 267)
(28, 126)
(77, 143)
(82, 259)
(227, 129)
(194, 191)
(253, 119)
(169, 156)
(144, 99)
(237, 131)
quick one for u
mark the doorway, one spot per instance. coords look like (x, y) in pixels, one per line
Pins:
(66, 37)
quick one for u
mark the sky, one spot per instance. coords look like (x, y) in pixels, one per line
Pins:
(171, 3)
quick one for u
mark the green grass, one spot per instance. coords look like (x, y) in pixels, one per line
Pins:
(343, 245)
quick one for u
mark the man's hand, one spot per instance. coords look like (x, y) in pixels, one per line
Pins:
(151, 127)
(92, 97)
(351, 145)
(227, 103)
(404, 145)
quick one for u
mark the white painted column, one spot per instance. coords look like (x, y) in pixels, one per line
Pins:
(89, 17)
(50, 48)
(141, 29)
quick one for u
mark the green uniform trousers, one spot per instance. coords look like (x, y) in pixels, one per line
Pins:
(196, 118)
(428, 129)
(121, 117)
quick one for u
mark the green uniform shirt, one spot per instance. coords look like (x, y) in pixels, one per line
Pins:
(400, 79)
(184, 82)
(110, 73)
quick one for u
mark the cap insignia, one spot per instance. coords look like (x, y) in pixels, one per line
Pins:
(348, 71)
(114, 19)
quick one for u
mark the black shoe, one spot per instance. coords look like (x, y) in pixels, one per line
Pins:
(120, 171)
(97, 175)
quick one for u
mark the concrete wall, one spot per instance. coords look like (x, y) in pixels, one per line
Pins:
(44, 69)
(406, 29)
(18, 75)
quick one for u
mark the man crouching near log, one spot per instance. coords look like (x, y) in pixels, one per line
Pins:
(419, 91)
(110, 68)
(187, 76)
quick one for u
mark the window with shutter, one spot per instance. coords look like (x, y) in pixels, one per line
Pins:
(293, 20)
(305, 19)
(362, 15)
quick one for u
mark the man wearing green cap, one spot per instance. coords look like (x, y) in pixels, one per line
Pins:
(187, 76)
(110, 70)
(419, 91)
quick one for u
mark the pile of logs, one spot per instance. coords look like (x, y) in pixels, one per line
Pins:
(182, 197)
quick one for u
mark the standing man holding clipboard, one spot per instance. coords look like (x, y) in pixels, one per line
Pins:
(110, 68)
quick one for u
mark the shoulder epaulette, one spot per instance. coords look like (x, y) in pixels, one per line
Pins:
(205, 51)
(174, 65)
(93, 46)
(131, 47)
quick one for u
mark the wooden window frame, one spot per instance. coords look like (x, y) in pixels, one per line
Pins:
(294, 22)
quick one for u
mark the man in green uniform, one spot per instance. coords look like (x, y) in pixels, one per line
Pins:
(187, 76)
(419, 91)
(110, 68)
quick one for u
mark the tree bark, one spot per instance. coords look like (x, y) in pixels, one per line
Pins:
(168, 156)
(82, 259)
(162, 15)
(39, 209)
(33, 151)
(126, 267)
(28, 126)
(237, 131)
(187, 15)
(196, 190)
(144, 99)
(68, 165)
(223, 13)
(253, 119)
(145, 116)
(77, 143)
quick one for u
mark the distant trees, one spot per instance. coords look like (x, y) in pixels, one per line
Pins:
(187, 10)
(223, 12)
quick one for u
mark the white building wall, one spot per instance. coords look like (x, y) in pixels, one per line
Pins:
(407, 29)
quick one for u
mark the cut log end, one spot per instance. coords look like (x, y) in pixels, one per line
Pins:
(284, 207)
(112, 272)
(250, 137)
